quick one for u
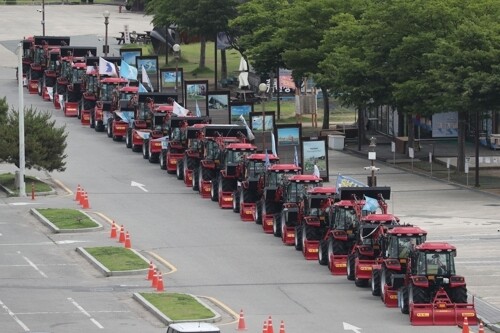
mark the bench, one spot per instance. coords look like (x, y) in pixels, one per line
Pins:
(120, 40)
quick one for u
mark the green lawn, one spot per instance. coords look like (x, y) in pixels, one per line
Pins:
(8, 181)
(178, 306)
(117, 258)
(67, 218)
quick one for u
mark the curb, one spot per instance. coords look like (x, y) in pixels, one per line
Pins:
(166, 320)
(105, 271)
(57, 230)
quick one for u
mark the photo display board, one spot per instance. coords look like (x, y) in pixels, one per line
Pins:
(314, 151)
(218, 106)
(151, 67)
(172, 83)
(238, 109)
(195, 97)
(289, 143)
(263, 131)
(130, 55)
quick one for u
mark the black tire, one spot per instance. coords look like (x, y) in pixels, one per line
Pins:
(207, 174)
(298, 237)
(276, 225)
(214, 190)
(99, 126)
(109, 129)
(385, 278)
(92, 119)
(418, 295)
(259, 213)
(153, 157)
(403, 300)
(40, 87)
(323, 252)
(236, 201)
(180, 169)
(196, 177)
(459, 294)
(375, 282)
(128, 139)
(189, 162)
(163, 162)
(351, 267)
(145, 149)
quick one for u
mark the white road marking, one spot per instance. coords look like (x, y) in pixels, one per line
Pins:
(32, 264)
(23, 203)
(82, 310)
(13, 315)
(71, 241)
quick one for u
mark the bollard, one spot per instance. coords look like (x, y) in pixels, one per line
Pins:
(33, 191)
(119, 8)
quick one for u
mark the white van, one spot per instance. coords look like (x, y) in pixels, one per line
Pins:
(192, 327)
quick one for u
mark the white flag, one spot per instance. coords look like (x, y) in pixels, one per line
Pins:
(273, 146)
(179, 110)
(107, 68)
(198, 111)
(145, 78)
(295, 157)
(251, 137)
(316, 171)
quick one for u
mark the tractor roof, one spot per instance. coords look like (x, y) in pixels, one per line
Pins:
(262, 157)
(129, 89)
(164, 108)
(305, 179)
(380, 218)
(436, 246)
(407, 230)
(78, 51)
(282, 168)
(94, 61)
(349, 193)
(113, 80)
(322, 190)
(241, 147)
(345, 203)
(79, 65)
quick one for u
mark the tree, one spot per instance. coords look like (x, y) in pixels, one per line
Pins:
(44, 142)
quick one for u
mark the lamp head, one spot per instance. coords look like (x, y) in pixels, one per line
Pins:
(176, 47)
(106, 14)
(262, 87)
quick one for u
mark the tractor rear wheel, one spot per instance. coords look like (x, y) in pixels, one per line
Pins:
(385, 278)
(196, 177)
(128, 139)
(418, 295)
(376, 282)
(323, 252)
(458, 294)
(403, 300)
(350, 267)
(145, 150)
(236, 201)
(276, 225)
(180, 169)
(163, 163)
(109, 128)
(258, 212)
(214, 190)
(298, 237)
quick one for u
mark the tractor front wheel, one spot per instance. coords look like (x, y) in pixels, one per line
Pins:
(403, 300)
(236, 201)
(180, 169)
(323, 252)
(376, 282)
(276, 225)
(298, 237)
(350, 267)
(459, 294)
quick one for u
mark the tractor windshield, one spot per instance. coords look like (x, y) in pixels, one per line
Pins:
(50, 81)
(91, 84)
(78, 74)
(435, 263)
(297, 191)
(39, 56)
(403, 246)
(235, 156)
(255, 168)
(345, 218)
(106, 92)
(213, 150)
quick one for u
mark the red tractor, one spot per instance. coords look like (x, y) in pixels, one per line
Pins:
(215, 139)
(343, 223)
(191, 157)
(121, 118)
(107, 102)
(294, 190)
(27, 58)
(311, 230)
(249, 188)
(431, 292)
(269, 190)
(42, 47)
(388, 272)
(48, 80)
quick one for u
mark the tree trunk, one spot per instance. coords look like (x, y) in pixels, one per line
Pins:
(326, 109)
(411, 133)
(203, 47)
(223, 64)
(462, 123)
(361, 126)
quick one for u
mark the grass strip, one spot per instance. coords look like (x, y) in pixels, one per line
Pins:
(65, 218)
(8, 180)
(117, 258)
(178, 306)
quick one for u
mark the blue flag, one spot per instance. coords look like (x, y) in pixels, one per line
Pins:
(128, 72)
(371, 204)
(346, 181)
(267, 162)
(142, 88)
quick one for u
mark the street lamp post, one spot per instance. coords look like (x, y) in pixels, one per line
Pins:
(372, 156)
(43, 17)
(177, 50)
(262, 89)
(105, 48)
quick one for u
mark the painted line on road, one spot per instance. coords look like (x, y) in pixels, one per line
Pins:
(64, 187)
(46, 265)
(31, 244)
(13, 316)
(104, 217)
(172, 268)
(225, 308)
(66, 312)
(32, 264)
(82, 310)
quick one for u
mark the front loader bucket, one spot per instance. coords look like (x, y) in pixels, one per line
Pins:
(267, 223)
(310, 249)
(226, 200)
(390, 297)
(442, 314)
(188, 178)
(247, 211)
(338, 264)
(206, 186)
(288, 236)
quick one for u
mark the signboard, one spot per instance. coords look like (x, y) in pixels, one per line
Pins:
(172, 83)
(315, 152)
(445, 125)
(150, 64)
(218, 106)
(288, 142)
(195, 96)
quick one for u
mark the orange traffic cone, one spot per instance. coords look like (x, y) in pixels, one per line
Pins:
(241, 323)
(113, 230)
(465, 327)
(80, 197)
(154, 282)
(121, 239)
(159, 283)
(128, 245)
(270, 325)
(264, 328)
(78, 193)
(481, 327)
(151, 271)
(282, 327)
(85, 204)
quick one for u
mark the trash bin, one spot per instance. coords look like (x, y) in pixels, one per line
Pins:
(336, 142)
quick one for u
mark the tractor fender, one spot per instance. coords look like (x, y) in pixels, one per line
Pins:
(420, 281)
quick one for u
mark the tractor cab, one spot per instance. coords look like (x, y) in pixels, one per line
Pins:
(435, 261)
(297, 187)
(402, 240)
(234, 158)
